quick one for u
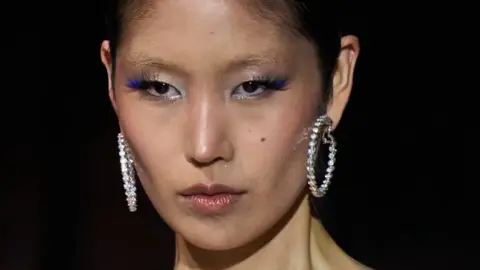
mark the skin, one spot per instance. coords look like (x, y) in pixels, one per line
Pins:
(209, 135)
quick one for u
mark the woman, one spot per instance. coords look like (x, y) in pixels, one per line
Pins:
(223, 106)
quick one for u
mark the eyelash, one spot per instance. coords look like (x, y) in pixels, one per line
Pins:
(146, 86)
(267, 84)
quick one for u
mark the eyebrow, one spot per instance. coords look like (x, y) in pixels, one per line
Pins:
(238, 63)
(253, 60)
(156, 63)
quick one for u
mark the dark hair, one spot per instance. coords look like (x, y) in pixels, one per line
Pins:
(315, 20)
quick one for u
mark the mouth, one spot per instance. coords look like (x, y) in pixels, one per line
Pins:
(211, 199)
(209, 190)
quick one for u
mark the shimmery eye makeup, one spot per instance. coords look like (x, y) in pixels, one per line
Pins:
(272, 82)
(259, 87)
(154, 88)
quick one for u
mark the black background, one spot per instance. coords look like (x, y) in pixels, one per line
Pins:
(396, 202)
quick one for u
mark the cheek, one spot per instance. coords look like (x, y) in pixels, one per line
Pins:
(154, 136)
(273, 157)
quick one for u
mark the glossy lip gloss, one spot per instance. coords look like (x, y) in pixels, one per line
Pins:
(211, 199)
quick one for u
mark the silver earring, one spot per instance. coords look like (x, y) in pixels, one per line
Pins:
(321, 129)
(128, 172)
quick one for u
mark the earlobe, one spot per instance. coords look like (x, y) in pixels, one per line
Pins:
(106, 57)
(343, 77)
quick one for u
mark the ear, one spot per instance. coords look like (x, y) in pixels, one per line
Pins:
(343, 77)
(106, 56)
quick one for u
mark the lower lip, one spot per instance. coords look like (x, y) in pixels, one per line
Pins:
(212, 204)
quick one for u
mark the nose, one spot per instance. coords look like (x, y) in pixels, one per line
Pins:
(207, 136)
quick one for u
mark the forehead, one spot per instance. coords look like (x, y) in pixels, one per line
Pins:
(206, 28)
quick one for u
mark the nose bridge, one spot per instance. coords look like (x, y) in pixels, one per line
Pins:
(206, 140)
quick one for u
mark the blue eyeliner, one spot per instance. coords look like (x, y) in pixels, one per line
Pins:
(272, 82)
(279, 84)
(135, 84)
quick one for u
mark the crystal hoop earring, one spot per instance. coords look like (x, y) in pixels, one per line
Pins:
(128, 172)
(319, 131)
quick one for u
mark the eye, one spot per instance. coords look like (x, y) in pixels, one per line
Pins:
(251, 88)
(156, 89)
(258, 87)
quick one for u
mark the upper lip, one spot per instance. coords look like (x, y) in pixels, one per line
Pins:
(203, 189)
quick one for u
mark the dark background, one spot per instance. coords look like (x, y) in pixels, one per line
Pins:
(397, 200)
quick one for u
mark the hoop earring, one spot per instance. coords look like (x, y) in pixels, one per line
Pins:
(326, 138)
(128, 172)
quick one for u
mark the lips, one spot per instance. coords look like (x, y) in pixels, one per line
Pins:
(210, 190)
(208, 200)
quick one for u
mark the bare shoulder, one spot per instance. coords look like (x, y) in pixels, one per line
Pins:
(355, 265)
(360, 266)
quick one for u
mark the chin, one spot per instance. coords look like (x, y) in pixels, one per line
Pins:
(217, 238)
(214, 245)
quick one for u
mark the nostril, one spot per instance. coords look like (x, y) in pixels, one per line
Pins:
(201, 163)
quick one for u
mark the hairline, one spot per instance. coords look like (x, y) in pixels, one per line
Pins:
(283, 14)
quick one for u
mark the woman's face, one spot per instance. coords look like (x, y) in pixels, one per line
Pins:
(191, 117)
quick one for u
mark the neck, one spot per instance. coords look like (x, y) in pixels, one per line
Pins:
(299, 243)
